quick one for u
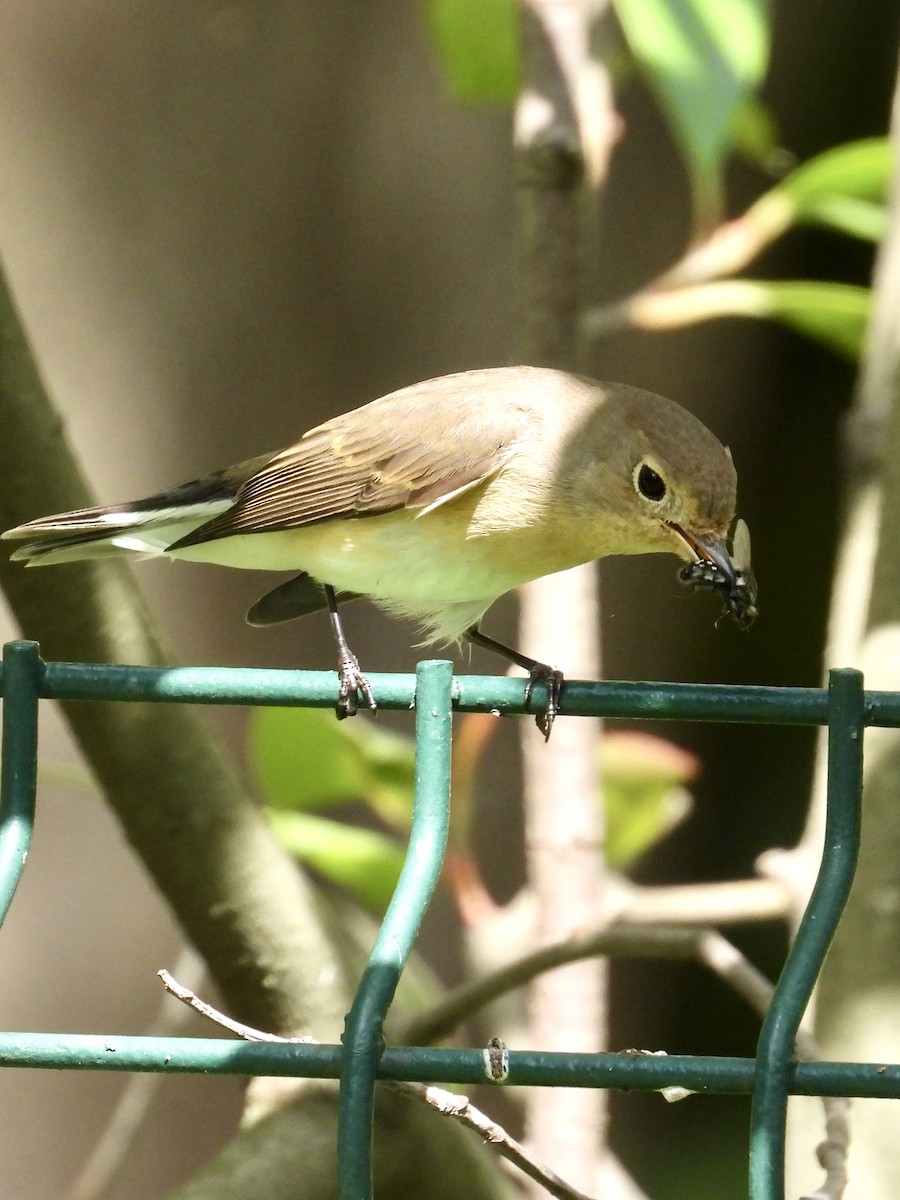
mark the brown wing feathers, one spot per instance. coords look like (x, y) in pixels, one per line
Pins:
(340, 471)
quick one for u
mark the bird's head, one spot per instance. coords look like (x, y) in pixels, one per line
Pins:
(656, 479)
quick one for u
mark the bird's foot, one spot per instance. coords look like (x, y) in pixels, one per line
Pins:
(553, 680)
(351, 683)
(538, 672)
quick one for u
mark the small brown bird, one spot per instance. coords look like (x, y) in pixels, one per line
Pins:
(437, 499)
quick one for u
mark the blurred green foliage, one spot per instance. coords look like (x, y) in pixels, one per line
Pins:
(477, 45)
(703, 59)
(304, 760)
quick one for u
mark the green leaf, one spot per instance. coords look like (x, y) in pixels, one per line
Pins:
(833, 313)
(363, 861)
(844, 188)
(702, 58)
(643, 791)
(858, 218)
(304, 758)
(754, 134)
(477, 44)
(861, 169)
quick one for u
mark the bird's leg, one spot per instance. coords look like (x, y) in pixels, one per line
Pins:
(538, 672)
(350, 677)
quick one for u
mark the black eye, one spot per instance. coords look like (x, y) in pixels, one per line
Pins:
(649, 483)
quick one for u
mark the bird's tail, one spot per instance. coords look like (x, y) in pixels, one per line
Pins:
(140, 529)
(145, 527)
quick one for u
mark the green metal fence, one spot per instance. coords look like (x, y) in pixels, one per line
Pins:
(844, 707)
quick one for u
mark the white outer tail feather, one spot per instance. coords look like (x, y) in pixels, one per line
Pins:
(110, 534)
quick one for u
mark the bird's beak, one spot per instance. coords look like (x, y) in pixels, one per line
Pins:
(707, 547)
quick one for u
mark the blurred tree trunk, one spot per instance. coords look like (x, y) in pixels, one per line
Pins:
(564, 131)
(858, 999)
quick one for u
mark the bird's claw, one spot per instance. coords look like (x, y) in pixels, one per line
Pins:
(352, 682)
(553, 680)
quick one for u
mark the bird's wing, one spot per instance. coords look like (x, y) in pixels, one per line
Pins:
(385, 456)
(294, 598)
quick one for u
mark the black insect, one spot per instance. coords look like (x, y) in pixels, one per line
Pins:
(738, 591)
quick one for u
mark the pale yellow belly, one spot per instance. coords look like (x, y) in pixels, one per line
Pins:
(391, 557)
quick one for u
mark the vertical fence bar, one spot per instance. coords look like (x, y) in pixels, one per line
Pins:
(362, 1039)
(846, 723)
(22, 668)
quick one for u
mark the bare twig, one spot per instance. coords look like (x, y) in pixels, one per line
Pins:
(733, 902)
(187, 996)
(703, 945)
(706, 946)
(451, 1104)
(727, 250)
(628, 932)
(614, 941)
(448, 1104)
(832, 1153)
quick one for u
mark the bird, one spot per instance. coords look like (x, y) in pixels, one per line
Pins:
(435, 500)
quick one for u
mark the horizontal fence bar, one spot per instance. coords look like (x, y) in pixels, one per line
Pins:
(623, 1072)
(471, 693)
(213, 685)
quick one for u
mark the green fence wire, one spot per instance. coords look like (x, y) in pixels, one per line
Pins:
(844, 707)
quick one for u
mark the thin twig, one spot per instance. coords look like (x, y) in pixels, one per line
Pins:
(614, 941)
(832, 1153)
(731, 902)
(644, 918)
(624, 939)
(706, 946)
(449, 1104)
(247, 1032)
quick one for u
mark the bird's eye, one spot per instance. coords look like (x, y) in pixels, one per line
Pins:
(649, 483)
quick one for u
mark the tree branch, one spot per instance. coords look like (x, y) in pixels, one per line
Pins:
(564, 128)
(643, 923)
(236, 893)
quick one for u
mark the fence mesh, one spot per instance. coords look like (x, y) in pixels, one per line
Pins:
(435, 693)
